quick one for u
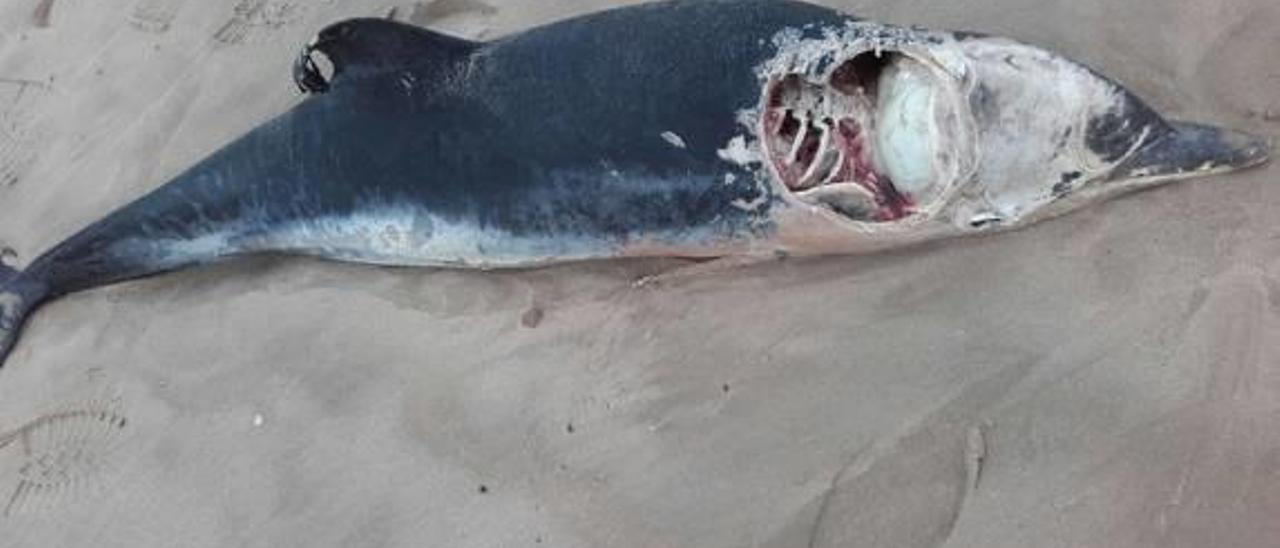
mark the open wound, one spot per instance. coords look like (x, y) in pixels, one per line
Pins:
(863, 143)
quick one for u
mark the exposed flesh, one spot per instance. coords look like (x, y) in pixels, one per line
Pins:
(863, 143)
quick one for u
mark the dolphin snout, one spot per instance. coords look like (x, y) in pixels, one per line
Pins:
(1188, 149)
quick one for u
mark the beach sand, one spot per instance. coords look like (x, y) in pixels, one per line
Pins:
(1110, 378)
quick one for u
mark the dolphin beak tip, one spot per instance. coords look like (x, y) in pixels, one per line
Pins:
(1190, 149)
(1248, 150)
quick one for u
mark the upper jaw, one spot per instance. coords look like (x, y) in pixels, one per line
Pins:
(1189, 149)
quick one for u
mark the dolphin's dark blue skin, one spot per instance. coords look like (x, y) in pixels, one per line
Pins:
(556, 133)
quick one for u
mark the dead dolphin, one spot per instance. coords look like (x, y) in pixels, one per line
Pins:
(695, 128)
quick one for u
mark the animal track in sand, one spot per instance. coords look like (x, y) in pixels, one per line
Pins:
(256, 14)
(19, 98)
(57, 456)
(154, 16)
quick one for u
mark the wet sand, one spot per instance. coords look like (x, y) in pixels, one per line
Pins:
(1108, 378)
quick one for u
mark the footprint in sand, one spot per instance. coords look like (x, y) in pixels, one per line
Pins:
(19, 98)
(248, 15)
(155, 16)
(59, 457)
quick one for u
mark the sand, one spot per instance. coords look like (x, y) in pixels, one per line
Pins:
(1109, 378)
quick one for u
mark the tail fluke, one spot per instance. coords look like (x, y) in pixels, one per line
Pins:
(18, 296)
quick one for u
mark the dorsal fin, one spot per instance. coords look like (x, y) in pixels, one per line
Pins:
(360, 47)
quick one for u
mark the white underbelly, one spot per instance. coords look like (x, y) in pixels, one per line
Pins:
(409, 237)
